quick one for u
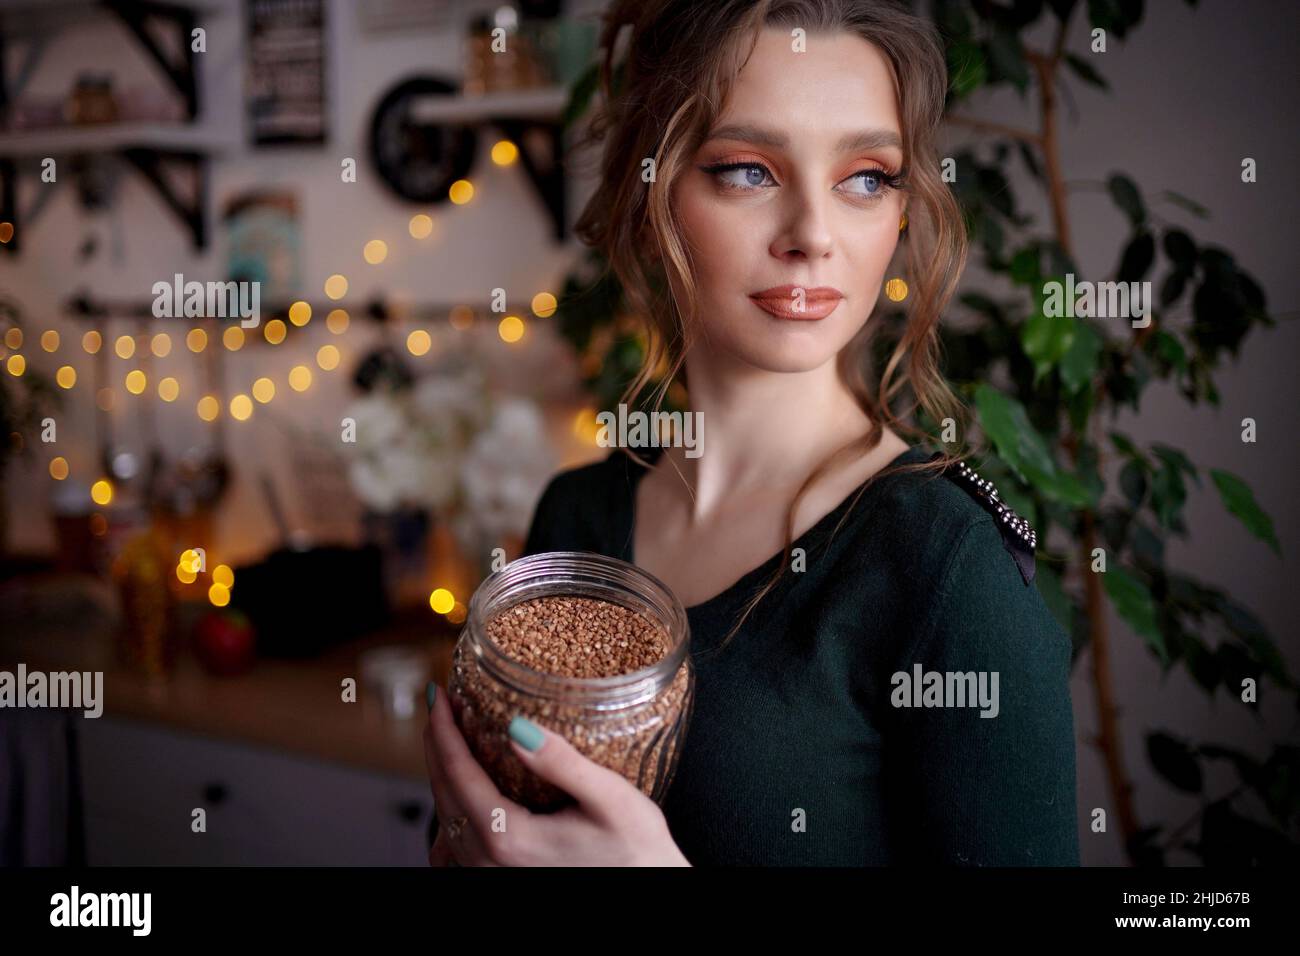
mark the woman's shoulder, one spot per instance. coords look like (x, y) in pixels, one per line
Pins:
(936, 515)
(581, 505)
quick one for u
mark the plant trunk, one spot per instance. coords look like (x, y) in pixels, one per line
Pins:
(1108, 736)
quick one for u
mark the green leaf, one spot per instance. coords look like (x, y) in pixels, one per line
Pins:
(1025, 267)
(1045, 340)
(1007, 58)
(966, 67)
(1240, 501)
(1137, 258)
(1125, 193)
(1125, 445)
(1170, 350)
(1133, 482)
(1180, 248)
(1023, 449)
(1083, 69)
(1175, 761)
(1133, 602)
(1016, 440)
(1079, 364)
(580, 94)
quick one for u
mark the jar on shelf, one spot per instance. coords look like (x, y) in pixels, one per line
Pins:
(633, 723)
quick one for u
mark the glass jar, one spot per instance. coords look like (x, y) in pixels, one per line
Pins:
(631, 723)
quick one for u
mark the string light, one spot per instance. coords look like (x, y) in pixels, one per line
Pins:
(327, 357)
(264, 390)
(14, 338)
(209, 408)
(196, 341)
(375, 251)
(66, 376)
(241, 407)
(421, 226)
(544, 304)
(504, 152)
(233, 338)
(6, 231)
(222, 575)
(124, 346)
(101, 492)
(16, 365)
(337, 321)
(418, 342)
(442, 600)
(135, 381)
(461, 192)
(336, 286)
(461, 317)
(161, 345)
(511, 329)
(300, 378)
(91, 342)
(219, 595)
(168, 389)
(50, 340)
(300, 312)
(274, 331)
(58, 468)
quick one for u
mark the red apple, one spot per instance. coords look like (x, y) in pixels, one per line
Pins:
(223, 641)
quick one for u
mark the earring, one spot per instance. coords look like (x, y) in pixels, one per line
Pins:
(902, 223)
(896, 289)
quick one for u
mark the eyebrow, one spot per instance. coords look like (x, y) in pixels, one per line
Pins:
(865, 139)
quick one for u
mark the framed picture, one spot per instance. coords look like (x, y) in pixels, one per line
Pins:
(286, 72)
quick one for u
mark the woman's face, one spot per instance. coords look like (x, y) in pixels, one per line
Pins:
(790, 206)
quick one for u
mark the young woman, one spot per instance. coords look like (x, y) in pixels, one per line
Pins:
(829, 568)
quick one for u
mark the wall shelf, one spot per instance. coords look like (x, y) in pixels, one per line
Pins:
(149, 147)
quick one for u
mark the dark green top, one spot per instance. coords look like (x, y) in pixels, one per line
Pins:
(795, 754)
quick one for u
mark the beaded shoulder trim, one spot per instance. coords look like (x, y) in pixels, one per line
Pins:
(1018, 537)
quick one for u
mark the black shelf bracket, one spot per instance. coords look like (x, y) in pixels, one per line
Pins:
(134, 15)
(546, 172)
(150, 164)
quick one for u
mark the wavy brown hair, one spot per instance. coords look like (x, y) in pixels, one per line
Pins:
(660, 99)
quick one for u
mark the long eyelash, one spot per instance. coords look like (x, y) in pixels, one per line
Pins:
(728, 167)
(887, 179)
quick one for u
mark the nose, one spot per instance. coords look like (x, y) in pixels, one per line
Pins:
(805, 232)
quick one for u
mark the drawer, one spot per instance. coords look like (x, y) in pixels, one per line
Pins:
(141, 783)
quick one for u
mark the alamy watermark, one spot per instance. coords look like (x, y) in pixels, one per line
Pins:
(217, 300)
(75, 908)
(922, 688)
(75, 689)
(637, 429)
(1099, 300)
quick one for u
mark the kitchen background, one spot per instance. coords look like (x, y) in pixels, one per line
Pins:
(311, 163)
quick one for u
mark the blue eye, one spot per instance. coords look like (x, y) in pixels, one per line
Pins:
(875, 181)
(755, 175)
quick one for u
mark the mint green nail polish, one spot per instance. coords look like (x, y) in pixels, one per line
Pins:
(526, 733)
(430, 692)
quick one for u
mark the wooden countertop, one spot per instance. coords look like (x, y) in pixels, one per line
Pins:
(294, 706)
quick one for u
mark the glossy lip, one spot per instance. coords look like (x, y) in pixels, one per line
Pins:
(779, 301)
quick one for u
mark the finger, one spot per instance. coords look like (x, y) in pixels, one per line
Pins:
(467, 849)
(598, 790)
(440, 853)
(468, 788)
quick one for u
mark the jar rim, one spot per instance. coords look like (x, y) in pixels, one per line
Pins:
(576, 573)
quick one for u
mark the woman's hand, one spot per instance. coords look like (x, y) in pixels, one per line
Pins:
(612, 824)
